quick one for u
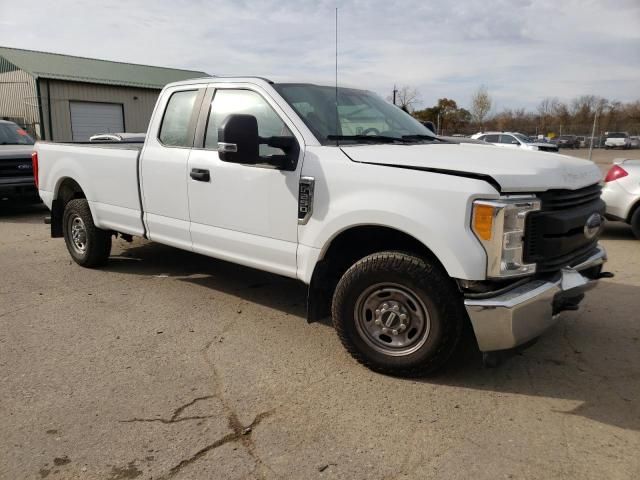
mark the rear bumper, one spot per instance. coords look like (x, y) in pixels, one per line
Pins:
(524, 313)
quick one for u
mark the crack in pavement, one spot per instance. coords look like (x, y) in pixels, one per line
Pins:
(176, 414)
(240, 433)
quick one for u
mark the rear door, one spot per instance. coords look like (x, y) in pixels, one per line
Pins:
(247, 214)
(91, 118)
(163, 171)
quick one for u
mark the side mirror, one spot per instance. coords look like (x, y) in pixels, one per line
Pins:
(238, 139)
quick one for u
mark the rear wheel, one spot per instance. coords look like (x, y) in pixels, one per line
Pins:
(398, 314)
(635, 223)
(88, 245)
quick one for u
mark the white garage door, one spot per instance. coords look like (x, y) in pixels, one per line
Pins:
(91, 118)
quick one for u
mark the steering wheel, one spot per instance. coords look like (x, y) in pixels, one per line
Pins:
(371, 130)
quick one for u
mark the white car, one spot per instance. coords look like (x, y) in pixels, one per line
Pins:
(617, 140)
(403, 238)
(514, 140)
(621, 193)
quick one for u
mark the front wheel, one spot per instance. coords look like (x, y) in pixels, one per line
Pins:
(398, 314)
(88, 245)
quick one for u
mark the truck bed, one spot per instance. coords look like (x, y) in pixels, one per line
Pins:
(108, 174)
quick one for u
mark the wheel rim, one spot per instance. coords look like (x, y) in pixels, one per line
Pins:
(392, 319)
(77, 234)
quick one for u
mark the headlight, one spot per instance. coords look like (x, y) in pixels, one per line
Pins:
(499, 225)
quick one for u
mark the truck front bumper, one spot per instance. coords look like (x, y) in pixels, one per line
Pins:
(524, 313)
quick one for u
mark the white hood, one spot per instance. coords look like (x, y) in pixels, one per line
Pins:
(515, 170)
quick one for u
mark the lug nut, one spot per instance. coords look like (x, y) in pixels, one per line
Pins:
(403, 316)
(385, 329)
(385, 306)
(395, 307)
(395, 332)
(378, 321)
(402, 327)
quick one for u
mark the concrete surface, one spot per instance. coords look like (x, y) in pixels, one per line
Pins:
(170, 365)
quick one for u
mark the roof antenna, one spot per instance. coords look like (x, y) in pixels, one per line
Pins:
(337, 118)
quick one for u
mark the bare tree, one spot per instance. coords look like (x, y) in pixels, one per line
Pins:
(406, 98)
(480, 105)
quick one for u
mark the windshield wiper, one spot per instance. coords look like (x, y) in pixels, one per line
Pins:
(430, 138)
(366, 138)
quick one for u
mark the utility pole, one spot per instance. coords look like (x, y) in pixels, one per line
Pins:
(395, 90)
(593, 132)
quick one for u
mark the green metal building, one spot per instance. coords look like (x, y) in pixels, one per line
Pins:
(65, 98)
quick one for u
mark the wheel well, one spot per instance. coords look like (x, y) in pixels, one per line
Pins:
(68, 190)
(347, 248)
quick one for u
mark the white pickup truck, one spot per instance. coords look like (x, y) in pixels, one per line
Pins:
(403, 238)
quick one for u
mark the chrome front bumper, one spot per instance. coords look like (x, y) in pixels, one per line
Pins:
(524, 313)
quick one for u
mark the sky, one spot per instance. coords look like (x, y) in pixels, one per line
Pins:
(521, 50)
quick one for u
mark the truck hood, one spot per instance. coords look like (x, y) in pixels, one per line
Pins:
(16, 151)
(513, 170)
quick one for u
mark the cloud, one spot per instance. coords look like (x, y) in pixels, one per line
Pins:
(522, 50)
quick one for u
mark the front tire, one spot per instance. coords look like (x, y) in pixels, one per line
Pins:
(88, 245)
(398, 314)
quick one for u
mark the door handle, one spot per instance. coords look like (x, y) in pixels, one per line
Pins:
(200, 175)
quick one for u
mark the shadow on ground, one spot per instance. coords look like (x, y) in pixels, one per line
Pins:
(22, 211)
(617, 231)
(596, 365)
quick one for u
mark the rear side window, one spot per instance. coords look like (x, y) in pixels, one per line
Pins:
(492, 138)
(174, 131)
(508, 139)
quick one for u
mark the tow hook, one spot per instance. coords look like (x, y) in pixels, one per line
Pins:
(606, 275)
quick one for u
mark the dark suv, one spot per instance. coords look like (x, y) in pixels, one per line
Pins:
(16, 171)
(567, 141)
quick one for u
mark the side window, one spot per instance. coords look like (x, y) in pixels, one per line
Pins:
(227, 102)
(174, 130)
(492, 138)
(508, 139)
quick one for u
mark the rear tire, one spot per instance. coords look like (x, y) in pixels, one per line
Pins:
(88, 245)
(635, 223)
(398, 314)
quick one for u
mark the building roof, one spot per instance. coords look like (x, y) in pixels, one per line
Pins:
(91, 70)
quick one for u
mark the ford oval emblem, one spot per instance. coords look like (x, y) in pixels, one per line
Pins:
(593, 225)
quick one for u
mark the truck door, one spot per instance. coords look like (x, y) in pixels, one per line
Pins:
(247, 214)
(163, 170)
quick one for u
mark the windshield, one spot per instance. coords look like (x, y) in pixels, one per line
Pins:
(617, 135)
(12, 134)
(523, 138)
(362, 116)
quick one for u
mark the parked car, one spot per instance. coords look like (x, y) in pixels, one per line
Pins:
(118, 137)
(621, 193)
(16, 175)
(514, 140)
(582, 139)
(401, 237)
(566, 141)
(634, 142)
(617, 140)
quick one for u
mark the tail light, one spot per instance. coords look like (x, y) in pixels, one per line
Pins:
(615, 173)
(34, 163)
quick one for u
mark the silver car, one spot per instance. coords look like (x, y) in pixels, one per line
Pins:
(621, 193)
(514, 140)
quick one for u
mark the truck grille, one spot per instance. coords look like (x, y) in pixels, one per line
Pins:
(555, 235)
(15, 167)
